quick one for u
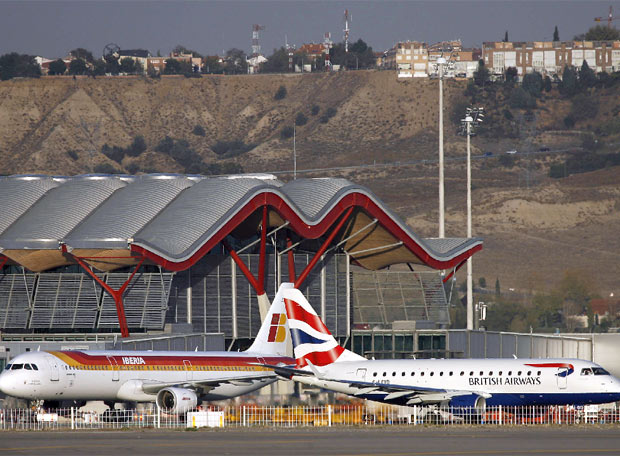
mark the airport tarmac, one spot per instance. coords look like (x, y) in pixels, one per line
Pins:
(583, 440)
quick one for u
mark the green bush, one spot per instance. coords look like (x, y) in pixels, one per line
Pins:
(228, 149)
(114, 153)
(506, 160)
(105, 168)
(73, 154)
(137, 146)
(521, 99)
(287, 132)
(199, 130)
(132, 168)
(301, 119)
(569, 121)
(315, 110)
(280, 93)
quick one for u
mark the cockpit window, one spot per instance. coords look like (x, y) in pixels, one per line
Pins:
(34, 366)
(600, 371)
(17, 366)
(586, 371)
(7, 367)
(27, 367)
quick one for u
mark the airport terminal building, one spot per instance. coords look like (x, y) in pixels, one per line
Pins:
(175, 255)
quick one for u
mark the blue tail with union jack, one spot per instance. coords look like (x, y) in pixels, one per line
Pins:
(312, 341)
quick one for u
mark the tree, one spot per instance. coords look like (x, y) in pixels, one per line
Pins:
(584, 107)
(57, 67)
(130, 66)
(498, 290)
(236, 62)
(481, 75)
(136, 147)
(112, 66)
(276, 62)
(174, 66)
(99, 67)
(180, 49)
(78, 66)
(533, 84)
(556, 34)
(600, 33)
(506, 37)
(511, 75)
(212, 65)
(521, 99)
(81, 53)
(16, 65)
(569, 86)
(300, 119)
(547, 84)
(482, 282)
(587, 77)
(287, 132)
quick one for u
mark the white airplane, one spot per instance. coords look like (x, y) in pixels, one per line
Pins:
(322, 362)
(176, 381)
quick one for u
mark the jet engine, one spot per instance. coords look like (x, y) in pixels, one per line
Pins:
(469, 401)
(176, 400)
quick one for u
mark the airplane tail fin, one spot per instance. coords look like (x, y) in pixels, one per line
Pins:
(273, 336)
(312, 342)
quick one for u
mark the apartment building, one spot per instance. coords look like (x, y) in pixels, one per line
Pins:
(410, 58)
(550, 57)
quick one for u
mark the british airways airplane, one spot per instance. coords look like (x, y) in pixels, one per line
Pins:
(322, 362)
(176, 381)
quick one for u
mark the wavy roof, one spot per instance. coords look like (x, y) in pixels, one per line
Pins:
(174, 220)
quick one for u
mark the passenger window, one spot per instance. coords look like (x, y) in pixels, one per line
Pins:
(403, 374)
(450, 373)
(539, 373)
(374, 374)
(509, 373)
(384, 374)
(393, 374)
(491, 374)
(529, 373)
(432, 373)
(412, 373)
(471, 373)
(462, 373)
(422, 374)
(441, 374)
(481, 373)
(519, 373)
(499, 373)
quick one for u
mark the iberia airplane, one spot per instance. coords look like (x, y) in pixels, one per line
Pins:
(176, 381)
(322, 362)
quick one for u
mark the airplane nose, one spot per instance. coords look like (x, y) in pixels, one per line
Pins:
(4, 383)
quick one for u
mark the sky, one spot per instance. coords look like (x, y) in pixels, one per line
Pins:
(53, 28)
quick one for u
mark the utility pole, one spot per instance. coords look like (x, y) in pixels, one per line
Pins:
(442, 233)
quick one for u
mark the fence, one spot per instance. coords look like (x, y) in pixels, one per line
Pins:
(331, 415)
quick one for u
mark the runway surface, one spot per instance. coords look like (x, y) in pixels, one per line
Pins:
(590, 440)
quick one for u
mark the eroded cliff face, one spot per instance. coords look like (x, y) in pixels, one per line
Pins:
(534, 227)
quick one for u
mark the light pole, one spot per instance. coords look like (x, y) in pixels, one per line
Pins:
(473, 117)
(294, 155)
(442, 233)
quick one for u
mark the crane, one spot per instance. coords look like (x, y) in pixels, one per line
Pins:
(610, 17)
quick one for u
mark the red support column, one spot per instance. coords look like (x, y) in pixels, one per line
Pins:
(258, 287)
(117, 295)
(291, 260)
(3, 261)
(263, 250)
(321, 251)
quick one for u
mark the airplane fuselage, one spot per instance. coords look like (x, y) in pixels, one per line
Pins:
(501, 381)
(120, 375)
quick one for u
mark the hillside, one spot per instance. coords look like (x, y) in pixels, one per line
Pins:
(534, 227)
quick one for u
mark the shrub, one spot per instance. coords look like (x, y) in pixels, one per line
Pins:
(315, 110)
(506, 160)
(521, 99)
(508, 115)
(165, 145)
(287, 132)
(569, 121)
(301, 119)
(331, 112)
(114, 153)
(227, 149)
(280, 93)
(199, 130)
(136, 147)
(73, 154)
(132, 168)
(105, 168)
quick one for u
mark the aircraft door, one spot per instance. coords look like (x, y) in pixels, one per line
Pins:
(114, 367)
(53, 363)
(188, 370)
(562, 376)
(361, 374)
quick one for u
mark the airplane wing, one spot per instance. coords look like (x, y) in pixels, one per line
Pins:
(205, 385)
(415, 394)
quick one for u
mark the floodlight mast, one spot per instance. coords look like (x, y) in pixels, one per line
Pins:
(473, 116)
(442, 233)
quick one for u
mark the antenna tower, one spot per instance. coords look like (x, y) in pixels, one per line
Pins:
(290, 50)
(346, 30)
(327, 44)
(255, 36)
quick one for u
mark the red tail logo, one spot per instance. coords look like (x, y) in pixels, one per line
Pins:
(277, 330)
